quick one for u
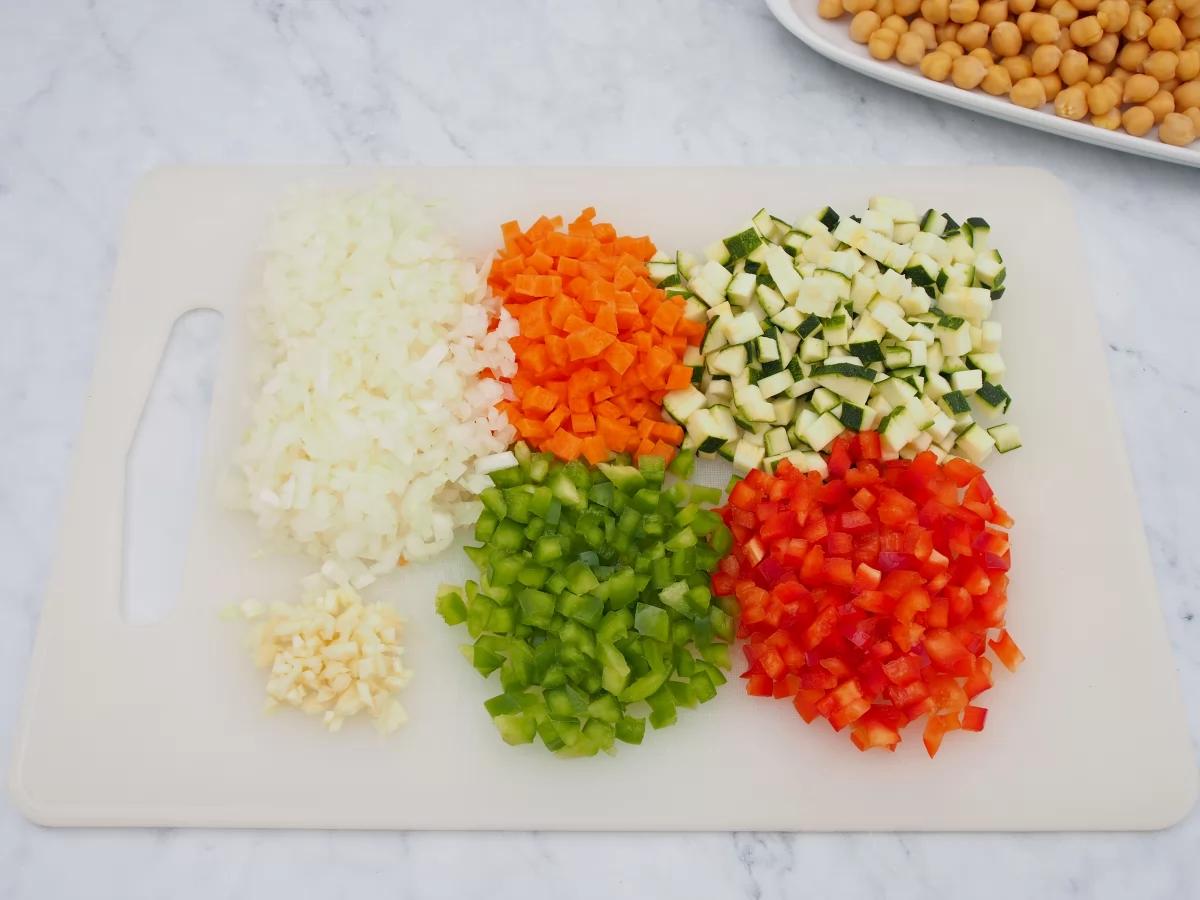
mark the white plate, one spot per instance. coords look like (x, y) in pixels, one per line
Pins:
(831, 38)
(161, 724)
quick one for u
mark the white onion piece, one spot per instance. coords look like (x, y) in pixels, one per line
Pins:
(371, 422)
(495, 462)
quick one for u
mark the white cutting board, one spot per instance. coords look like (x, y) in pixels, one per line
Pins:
(162, 724)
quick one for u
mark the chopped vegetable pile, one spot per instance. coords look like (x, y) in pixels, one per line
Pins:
(875, 321)
(869, 598)
(594, 597)
(599, 346)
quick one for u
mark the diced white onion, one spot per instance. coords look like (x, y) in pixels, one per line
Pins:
(372, 425)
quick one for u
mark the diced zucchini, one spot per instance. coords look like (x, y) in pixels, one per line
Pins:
(895, 208)
(720, 391)
(821, 432)
(977, 231)
(823, 400)
(993, 399)
(916, 351)
(955, 404)
(975, 444)
(785, 409)
(783, 271)
(849, 381)
(895, 390)
(742, 328)
(662, 272)
(837, 329)
(897, 429)
(682, 403)
(855, 417)
(827, 217)
(741, 289)
(694, 309)
(953, 333)
(897, 358)
(904, 232)
(747, 456)
(776, 383)
(741, 244)
(770, 300)
(820, 294)
(1006, 437)
(730, 361)
(776, 442)
(711, 296)
(813, 349)
(991, 364)
(967, 382)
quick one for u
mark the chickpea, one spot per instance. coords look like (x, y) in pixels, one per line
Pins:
(1119, 77)
(1102, 98)
(1189, 65)
(1165, 35)
(1190, 27)
(1064, 12)
(1112, 84)
(936, 11)
(1096, 73)
(1194, 115)
(885, 8)
(1071, 103)
(1085, 5)
(863, 25)
(984, 55)
(964, 11)
(1025, 23)
(1163, 9)
(1132, 55)
(1137, 27)
(925, 31)
(1170, 85)
(1161, 104)
(907, 7)
(911, 49)
(1110, 121)
(1029, 93)
(1137, 120)
(1018, 67)
(1104, 51)
(993, 12)
(936, 66)
(997, 82)
(952, 49)
(1188, 7)
(1139, 89)
(1187, 96)
(1073, 67)
(967, 72)
(1086, 32)
(1045, 30)
(947, 32)
(1161, 64)
(1052, 85)
(897, 24)
(973, 36)
(1112, 15)
(882, 44)
(1046, 59)
(830, 9)
(854, 7)
(1017, 7)
(1006, 39)
(1176, 129)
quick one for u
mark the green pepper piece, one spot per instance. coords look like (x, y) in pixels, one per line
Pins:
(682, 632)
(556, 584)
(537, 607)
(554, 513)
(449, 604)
(516, 730)
(506, 569)
(606, 708)
(660, 572)
(683, 538)
(673, 596)
(600, 733)
(566, 702)
(687, 515)
(580, 578)
(622, 588)
(479, 610)
(653, 469)
(677, 493)
(705, 522)
(683, 464)
(645, 500)
(703, 632)
(702, 494)
(509, 537)
(721, 540)
(533, 576)
(715, 675)
(485, 661)
(631, 730)
(718, 655)
(602, 493)
(546, 550)
(518, 501)
(684, 562)
(503, 620)
(685, 664)
(722, 623)
(549, 735)
(493, 501)
(534, 529)
(681, 692)
(485, 525)
(539, 467)
(733, 480)
(629, 522)
(699, 598)
(506, 478)
(652, 621)
(479, 556)
(662, 706)
(643, 687)
(702, 686)
(615, 625)
(624, 478)
(565, 491)
(653, 525)
(504, 705)
(587, 609)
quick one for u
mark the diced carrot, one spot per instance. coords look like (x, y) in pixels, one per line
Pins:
(564, 445)
(556, 418)
(676, 343)
(663, 449)
(643, 341)
(594, 449)
(577, 405)
(601, 394)
(665, 317)
(606, 319)
(567, 267)
(688, 329)
(576, 286)
(543, 262)
(536, 358)
(510, 231)
(539, 402)
(556, 349)
(604, 232)
(608, 408)
(644, 448)
(645, 428)
(637, 412)
(679, 377)
(665, 431)
(640, 290)
(623, 278)
(513, 266)
(576, 323)
(658, 360)
(583, 423)
(588, 343)
(619, 356)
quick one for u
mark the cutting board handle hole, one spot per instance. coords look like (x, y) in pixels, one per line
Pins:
(162, 468)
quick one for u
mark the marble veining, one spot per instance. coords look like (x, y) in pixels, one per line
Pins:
(93, 93)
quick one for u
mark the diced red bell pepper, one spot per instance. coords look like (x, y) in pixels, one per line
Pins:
(1007, 651)
(973, 718)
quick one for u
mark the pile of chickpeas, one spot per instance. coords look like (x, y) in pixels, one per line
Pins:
(1128, 64)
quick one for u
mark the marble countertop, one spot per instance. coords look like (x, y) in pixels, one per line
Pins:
(93, 93)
